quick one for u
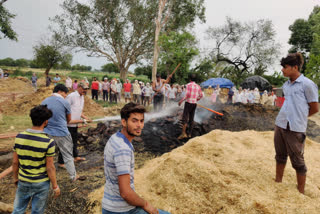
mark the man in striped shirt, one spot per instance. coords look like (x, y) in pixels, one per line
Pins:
(33, 166)
(119, 193)
(193, 95)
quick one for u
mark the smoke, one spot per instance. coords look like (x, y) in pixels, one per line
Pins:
(200, 115)
(168, 109)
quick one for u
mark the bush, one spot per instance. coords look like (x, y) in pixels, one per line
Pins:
(17, 72)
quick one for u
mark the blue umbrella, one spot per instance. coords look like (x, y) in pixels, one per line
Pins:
(213, 82)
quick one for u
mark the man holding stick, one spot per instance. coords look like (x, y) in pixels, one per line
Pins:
(193, 95)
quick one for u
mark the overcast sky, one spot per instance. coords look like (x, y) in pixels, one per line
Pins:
(31, 22)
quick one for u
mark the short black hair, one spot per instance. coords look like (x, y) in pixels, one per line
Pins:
(60, 87)
(293, 59)
(131, 108)
(158, 75)
(57, 74)
(40, 114)
(192, 77)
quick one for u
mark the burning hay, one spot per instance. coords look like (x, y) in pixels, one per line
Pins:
(226, 172)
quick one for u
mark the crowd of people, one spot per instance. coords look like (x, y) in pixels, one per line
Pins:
(245, 96)
(55, 124)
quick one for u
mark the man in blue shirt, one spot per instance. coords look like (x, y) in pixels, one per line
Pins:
(119, 193)
(301, 101)
(57, 126)
(56, 80)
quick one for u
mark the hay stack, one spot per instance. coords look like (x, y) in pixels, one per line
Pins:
(226, 172)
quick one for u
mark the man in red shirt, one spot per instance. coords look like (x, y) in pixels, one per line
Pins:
(193, 95)
(94, 88)
(127, 90)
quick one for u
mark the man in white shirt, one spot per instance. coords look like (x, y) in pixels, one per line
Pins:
(76, 101)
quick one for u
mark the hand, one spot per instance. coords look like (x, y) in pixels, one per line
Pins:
(180, 102)
(150, 209)
(16, 182)
(56, 192)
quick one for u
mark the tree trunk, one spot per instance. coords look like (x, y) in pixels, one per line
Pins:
(47, 70)
(156, 50)
(123, 74)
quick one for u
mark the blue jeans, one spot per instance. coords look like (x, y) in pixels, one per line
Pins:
(36, 192)
(137, 210)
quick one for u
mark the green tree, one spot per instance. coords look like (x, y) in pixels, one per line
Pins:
(145, 70)
(313, 68)
(6, 17)
(22, 63)
(301, 36)
(175, 15)
(66, 62)
(120, 31)
(244, 46)
(8, 62)
(49, 55)
(204, 70)
(110, 67)
(177, 48)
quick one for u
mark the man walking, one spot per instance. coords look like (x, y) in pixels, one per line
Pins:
(119, 195)
(57, 126)
(301, 101)
(76, 101)
(33, 165)
(193, 95)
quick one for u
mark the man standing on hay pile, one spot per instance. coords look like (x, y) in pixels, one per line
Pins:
(193, 95)
(119, 195)
(301, 101)
(57, 126)
(76, 101)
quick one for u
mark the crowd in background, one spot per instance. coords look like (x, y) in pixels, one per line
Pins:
(234, 95)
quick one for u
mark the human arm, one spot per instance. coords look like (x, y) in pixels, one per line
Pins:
(168, 79)
(130, 196)
(313, 108)
(51, 170)
(68, 118)
(15, 168)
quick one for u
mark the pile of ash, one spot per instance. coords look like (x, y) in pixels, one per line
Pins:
(160, 134)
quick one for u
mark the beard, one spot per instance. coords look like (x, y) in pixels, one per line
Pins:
(131, 133)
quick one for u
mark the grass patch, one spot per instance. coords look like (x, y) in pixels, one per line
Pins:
(105, 104)
(15, 123)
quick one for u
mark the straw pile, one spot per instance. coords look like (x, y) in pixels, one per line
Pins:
(24, 103)
(226, 172)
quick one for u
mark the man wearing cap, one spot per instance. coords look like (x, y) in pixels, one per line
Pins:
(105, 89)
(76, 101)
(158, 87)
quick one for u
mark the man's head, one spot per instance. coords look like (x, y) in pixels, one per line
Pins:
(193, 77)
(94, 78)
(132, 118)
(33, 74)
(128, 80)
(291, 64)
(57, 75)
(40, 115)
(158, 76)
(105, 79)
(82, 88)
(61, 89)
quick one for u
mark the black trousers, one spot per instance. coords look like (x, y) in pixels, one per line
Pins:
(105, 95)
(94, 94)
(158, 102)
(188, 115)
(74, 135)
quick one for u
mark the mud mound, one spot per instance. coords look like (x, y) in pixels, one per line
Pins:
(23, 104)
(16, 85)
(225, 172)
(91, 108)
